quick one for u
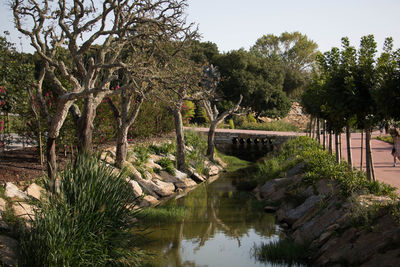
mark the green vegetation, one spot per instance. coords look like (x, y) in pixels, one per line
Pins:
(279, 126)
(385, 138)
(86, 224)
(161, 215)
(281, 252)
(167, 165)
(196, 155)
(163, 149)
(319, 164)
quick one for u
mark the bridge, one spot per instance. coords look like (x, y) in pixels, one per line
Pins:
(237, 136)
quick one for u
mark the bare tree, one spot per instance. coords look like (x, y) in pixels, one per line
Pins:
(94, 33)
(210, 81)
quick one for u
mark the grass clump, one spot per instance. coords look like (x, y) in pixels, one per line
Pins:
(196, 156)
(281, 252)
(162, 215)
(163, 149)
(279, 126)
(167, 165)
(86, 224)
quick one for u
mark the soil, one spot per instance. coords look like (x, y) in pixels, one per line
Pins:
(23, 164)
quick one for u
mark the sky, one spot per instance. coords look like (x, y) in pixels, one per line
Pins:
(235, 24)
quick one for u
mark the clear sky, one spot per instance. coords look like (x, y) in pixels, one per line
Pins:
(233, 24)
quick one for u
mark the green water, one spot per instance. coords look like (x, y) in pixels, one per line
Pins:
(221, 229)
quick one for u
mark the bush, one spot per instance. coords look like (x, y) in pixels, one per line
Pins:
(231, 124)
(196, 157)
(279, 126)
(163, 149)
(88, 223)
(167, 165)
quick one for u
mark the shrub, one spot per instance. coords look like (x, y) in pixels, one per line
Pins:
(167, 165)
(231, 124)
(88, 223)
(196, 157)
(163, 149)
(280, 126)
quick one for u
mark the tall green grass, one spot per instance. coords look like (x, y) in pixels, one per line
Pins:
(161, 215)
(279, 126)
(86, 224)
(281, 252)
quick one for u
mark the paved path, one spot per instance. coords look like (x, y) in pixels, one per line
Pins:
(381, 156)
(381, 153)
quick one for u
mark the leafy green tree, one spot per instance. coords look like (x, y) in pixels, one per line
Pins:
(258, 80)
(295, 52)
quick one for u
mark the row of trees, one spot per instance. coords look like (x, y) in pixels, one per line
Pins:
(115, 55)
(355, 89)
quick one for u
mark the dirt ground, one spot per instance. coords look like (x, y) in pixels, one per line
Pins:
(22, 164)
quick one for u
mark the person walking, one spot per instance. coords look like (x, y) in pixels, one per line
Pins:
(396, 145)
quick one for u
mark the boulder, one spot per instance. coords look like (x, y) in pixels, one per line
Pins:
(135, 174)
(166, 177)
(137, 190)
(213, 169)
(270, 209)
(185, 183)
(147, 187)
(180, 175)
(296, 169)
(23, 210)
(35, 191)
(8, 251)
(3, 205)
(274, 185)
(198, 178)
(155, 158)
(12, 191)
(163, 189)
(148, 201)
(150, 164)
(293, 215)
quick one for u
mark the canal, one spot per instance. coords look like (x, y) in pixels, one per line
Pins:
(221, 228)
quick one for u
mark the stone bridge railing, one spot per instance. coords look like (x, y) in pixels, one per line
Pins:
(235, 136)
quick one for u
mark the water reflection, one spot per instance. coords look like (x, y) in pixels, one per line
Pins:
(222, 229)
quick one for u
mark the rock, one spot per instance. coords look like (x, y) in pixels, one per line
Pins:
(198, 178)
(137, 190)
(270, 209)
(274, 185)
(388, 259)
(135, 174)
(220, 162)
(296, 169)
(171, 157)
(147, 187)
(148, 201)
(8, 251)
(326, 187)
(150, 164)
(163, 189)
(13, 191)
(180, 175)
(185, 183)
(213, 169)
(293, 215)
(35, 191)
(3, 205)
(147, 175)
(368, 200)
(155, 158)
(189, 148)
(166, 177)
(23, 210)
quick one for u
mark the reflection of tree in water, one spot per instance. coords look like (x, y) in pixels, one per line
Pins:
(212, 209)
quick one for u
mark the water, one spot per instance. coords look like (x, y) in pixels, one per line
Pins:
(222, 229)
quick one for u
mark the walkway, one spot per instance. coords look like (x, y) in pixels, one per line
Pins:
(381, 153)
(381, 156)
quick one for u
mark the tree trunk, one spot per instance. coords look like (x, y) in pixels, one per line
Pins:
(318, 131)
(330, 142)
(52, 163)
(368, 153)
(337, 150)
(39, 140)
(324, 136)
(122, 144)
(362, 150)
(348, 141)
(85, 126)
(180, 139)
(211, 135)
